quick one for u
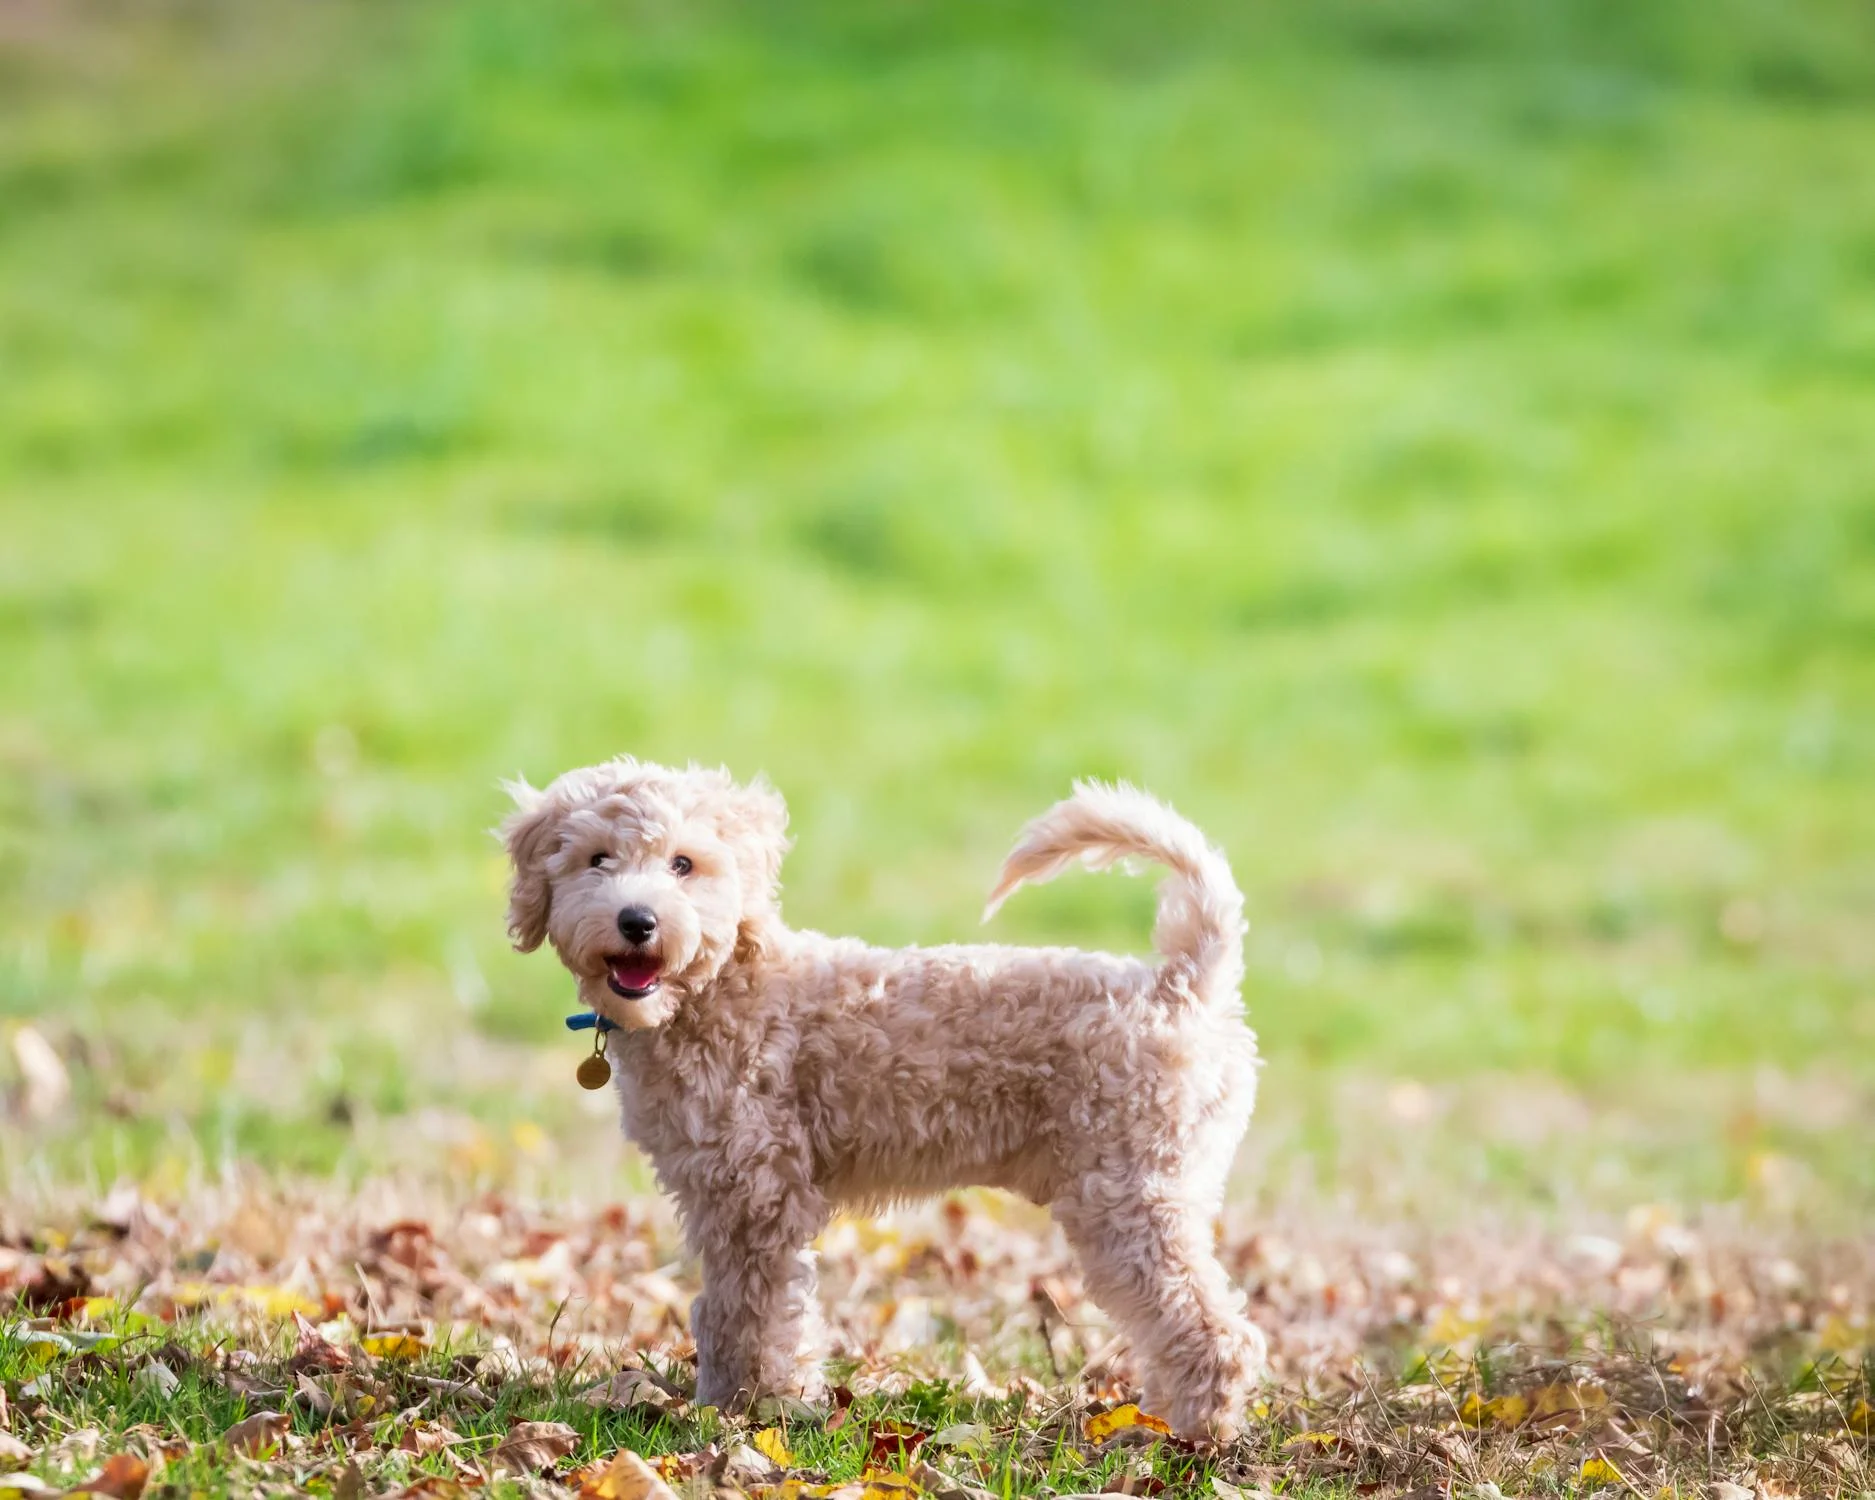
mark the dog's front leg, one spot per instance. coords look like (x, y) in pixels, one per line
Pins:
(757, 1323)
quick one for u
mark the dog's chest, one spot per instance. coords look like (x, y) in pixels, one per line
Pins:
(679, 1097)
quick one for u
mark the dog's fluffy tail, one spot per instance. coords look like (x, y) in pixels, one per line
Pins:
(1200, 928)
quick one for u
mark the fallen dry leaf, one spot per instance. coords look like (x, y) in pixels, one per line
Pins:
(1227, 1491)
(627, 1389)
(427, 1437)
(1500, 1411)
(894, 1443)
(433, 1487)
(888, 1485)
(13, 1453)
(122, 1478)
(1566, 1399)
(747, 1468)
(399, 1344)
(258, 1434)
(534, 1447)
(963, 1435)
(772, 1443)
(158, 1379)
(625, 1477)
(1104, 1426)
(315, 1352)
(941, 1486)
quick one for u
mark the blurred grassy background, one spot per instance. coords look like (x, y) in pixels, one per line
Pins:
(1430, 444)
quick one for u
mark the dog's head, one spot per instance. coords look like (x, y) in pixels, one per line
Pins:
(647, 881)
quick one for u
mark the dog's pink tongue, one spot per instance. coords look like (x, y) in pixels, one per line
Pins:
(636, 972)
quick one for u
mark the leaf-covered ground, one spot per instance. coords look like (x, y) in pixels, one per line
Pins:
(248, 1338)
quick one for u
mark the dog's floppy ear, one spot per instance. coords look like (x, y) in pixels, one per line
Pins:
(530, 835)
(755, 820)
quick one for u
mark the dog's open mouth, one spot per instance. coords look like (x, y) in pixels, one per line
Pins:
(633, 975)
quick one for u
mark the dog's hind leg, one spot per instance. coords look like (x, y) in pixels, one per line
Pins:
(1149, 1263)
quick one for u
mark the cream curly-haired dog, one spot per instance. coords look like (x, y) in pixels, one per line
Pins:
(773, 1076)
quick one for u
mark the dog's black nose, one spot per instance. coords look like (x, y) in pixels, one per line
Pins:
(637, 924)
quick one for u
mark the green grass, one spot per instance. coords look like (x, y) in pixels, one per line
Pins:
(1429, 446)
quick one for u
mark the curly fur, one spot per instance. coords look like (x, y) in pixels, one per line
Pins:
(775, 1075)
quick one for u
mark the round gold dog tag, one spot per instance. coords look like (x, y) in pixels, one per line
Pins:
(594, 1071)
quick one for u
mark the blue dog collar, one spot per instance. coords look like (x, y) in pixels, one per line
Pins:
(586, 1020)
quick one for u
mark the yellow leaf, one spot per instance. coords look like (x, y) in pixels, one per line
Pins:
(43, 1346)
(1105, 1424)
(1598, 1470)
(1501, 1411)
(393, 1345)
(797, 1489)
(626, 1477)
(276, 1301)
(1552, 1400)
(771, 1444)
(1451, 1327)
(1313, 1440)
(100, 1307)
(1839, 1336)
(880, 1485)
(1862, 1417)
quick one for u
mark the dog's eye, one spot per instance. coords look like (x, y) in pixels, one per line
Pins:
(681, 865)
(598, 859)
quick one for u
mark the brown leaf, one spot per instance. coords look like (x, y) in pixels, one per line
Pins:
(894, 1444)
(315, 1352)
(257, 1435)
(534, 1447)
(314, 1396)
(252, 1387)
(122, 1478)
(432, 1487)
(427, 1437)
(156, 1444)
(634, 1388)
